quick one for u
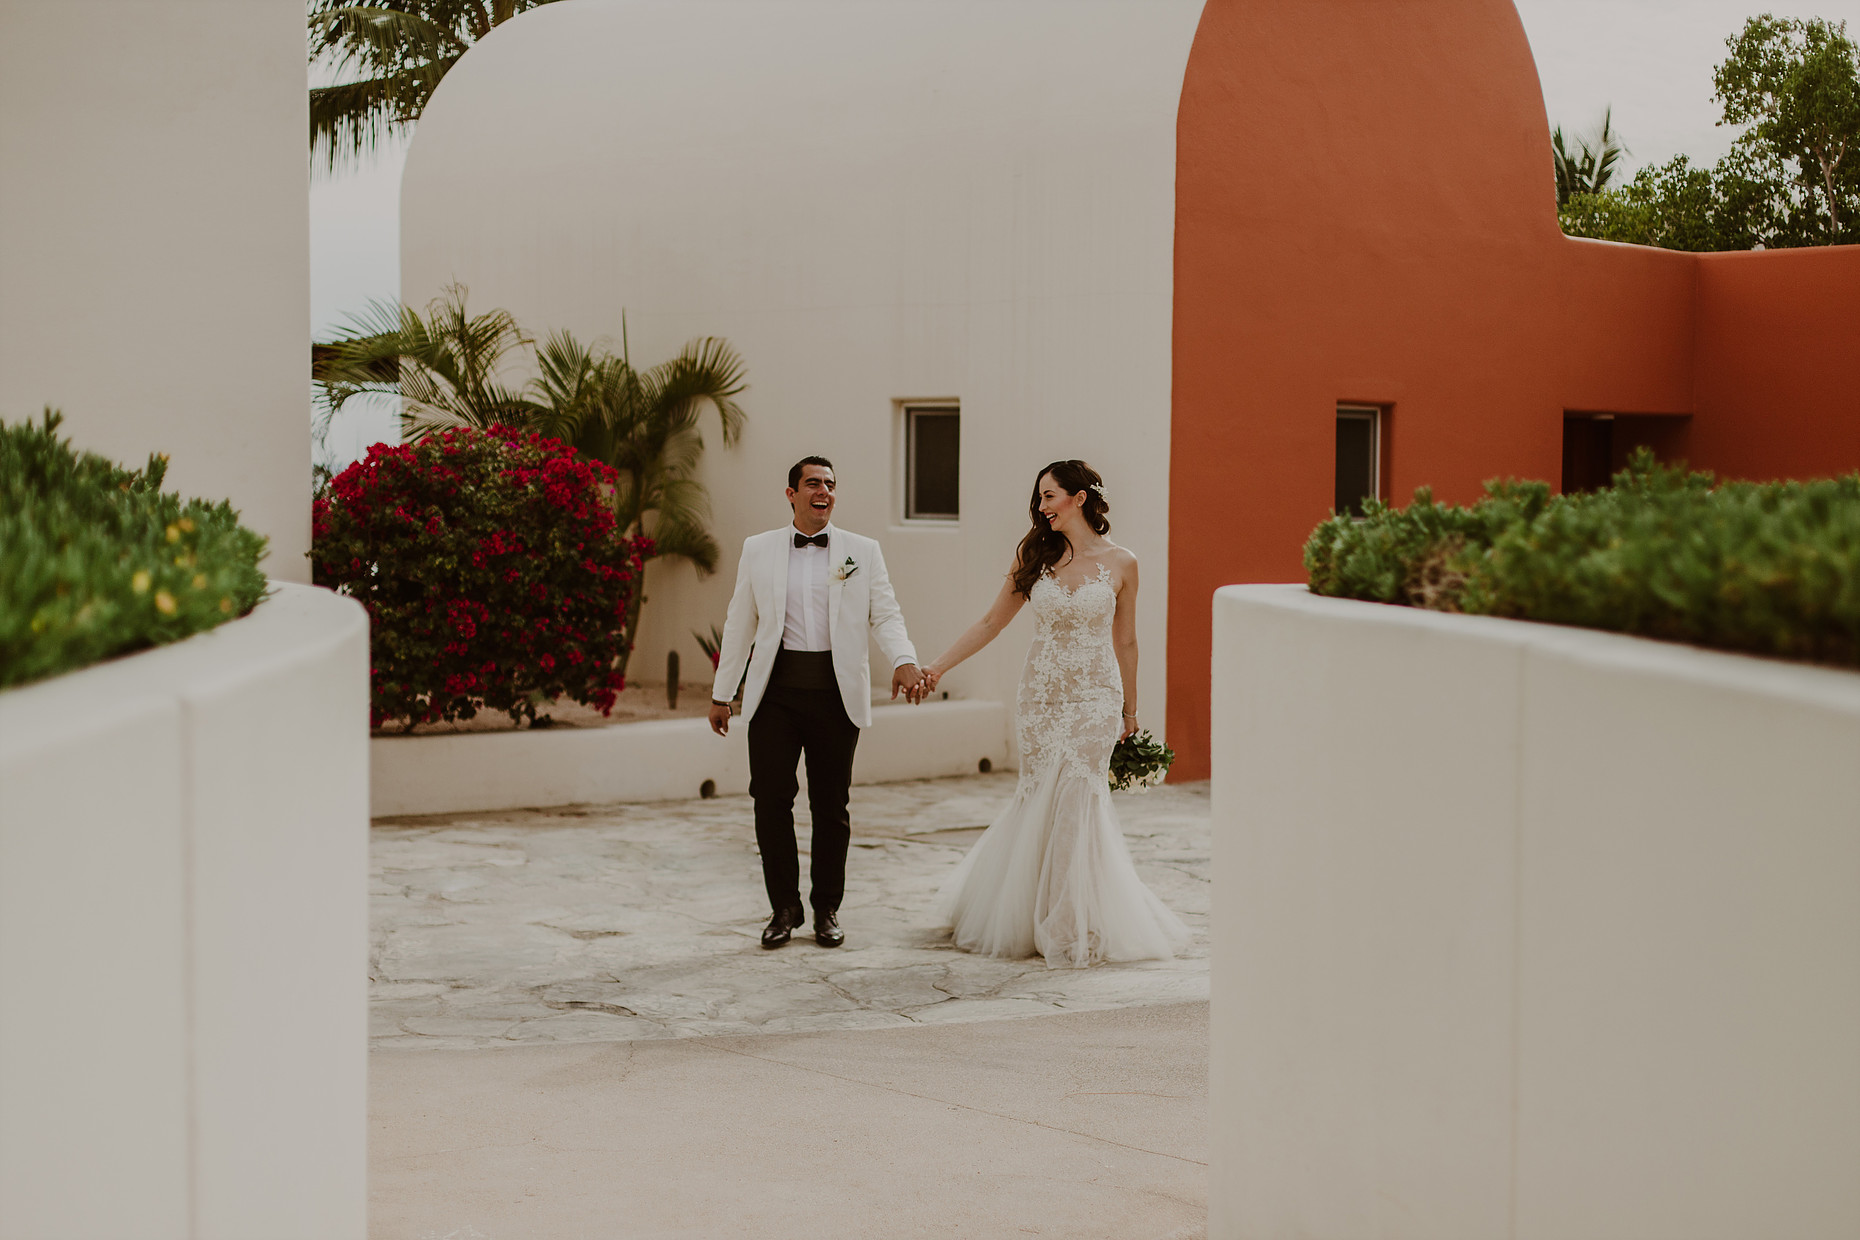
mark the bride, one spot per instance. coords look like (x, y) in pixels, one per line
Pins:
(1052, 875)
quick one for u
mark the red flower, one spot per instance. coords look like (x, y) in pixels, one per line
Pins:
(510, 522)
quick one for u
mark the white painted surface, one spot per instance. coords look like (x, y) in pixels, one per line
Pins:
(154, 248)
(183, 936)
(873, 202)
(658, 760)
(1528, 931)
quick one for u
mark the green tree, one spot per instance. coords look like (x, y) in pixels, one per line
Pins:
(391, 56)
(1591, 165)
(1792, 178)
(443, 367)
(647, 425)
(447, 367)
(1796, 83)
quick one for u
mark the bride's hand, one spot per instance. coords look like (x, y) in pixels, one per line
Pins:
(1130, 728)
(931, 676)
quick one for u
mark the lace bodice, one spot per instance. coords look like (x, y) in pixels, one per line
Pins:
(1071, 694)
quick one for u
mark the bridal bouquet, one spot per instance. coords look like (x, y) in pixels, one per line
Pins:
(1139, 763)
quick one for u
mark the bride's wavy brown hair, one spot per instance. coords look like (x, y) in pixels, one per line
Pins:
(1044, 546)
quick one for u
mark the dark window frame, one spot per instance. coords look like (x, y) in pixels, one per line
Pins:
(914, 414)
(1355, 415)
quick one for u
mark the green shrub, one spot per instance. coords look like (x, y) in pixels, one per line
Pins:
(1767, 568)
(97, 561)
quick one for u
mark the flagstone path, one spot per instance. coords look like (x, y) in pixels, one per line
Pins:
(637, 922)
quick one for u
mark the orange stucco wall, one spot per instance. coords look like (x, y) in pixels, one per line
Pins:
(1364, 214)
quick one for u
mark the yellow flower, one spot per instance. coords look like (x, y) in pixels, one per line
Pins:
(200, 581)
(186, 524)
(226, 605)
(140, 582)
(174, 533)
(164, 602)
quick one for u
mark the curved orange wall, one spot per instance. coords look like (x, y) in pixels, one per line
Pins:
(1364, 213)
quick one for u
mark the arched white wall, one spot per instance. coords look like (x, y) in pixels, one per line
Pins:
(154, 243)
(872, 201)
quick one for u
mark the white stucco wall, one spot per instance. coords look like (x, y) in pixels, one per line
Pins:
(1525, 931)
(154, 242)
(184, 936)
(655, 760)
(873, 202)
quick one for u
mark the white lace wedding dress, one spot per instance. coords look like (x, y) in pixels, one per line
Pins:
(1052, 875)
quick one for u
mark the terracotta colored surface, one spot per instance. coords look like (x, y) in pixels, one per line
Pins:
(1351, 230)
(1778, 385)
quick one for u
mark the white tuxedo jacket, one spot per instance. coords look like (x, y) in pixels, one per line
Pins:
(859, 599)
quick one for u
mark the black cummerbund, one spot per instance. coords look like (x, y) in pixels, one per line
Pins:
(803, 669)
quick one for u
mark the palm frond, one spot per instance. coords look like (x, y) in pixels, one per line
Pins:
(444, 364)
(397, 51)
(706, 371)
(352, 119)
(375, 39)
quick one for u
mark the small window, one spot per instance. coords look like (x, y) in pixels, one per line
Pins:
(932, 462)
(1359, 457)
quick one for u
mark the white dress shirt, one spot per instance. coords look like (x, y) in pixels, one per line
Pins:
(805, 625)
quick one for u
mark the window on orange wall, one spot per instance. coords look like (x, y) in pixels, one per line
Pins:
(1359, 457)
(932, 435)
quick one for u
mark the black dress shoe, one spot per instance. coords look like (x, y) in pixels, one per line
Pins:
(782, 926)
(827, 930)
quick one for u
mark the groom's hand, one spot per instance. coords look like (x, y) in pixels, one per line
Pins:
(906, 677)
(720, 718)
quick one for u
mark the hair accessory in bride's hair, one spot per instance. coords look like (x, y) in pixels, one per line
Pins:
(1102, 494)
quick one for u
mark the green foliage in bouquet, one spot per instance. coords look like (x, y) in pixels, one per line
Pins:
(492, 568)
(1765, 568)
(98, 561)
(1139, 762)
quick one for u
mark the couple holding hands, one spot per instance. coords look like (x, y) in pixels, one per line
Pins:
(1051, 876)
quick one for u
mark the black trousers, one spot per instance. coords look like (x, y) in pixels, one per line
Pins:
(792, 722)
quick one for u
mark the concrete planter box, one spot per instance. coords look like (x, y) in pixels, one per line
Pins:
(659, 760)
(184, 936)
(1525, 931)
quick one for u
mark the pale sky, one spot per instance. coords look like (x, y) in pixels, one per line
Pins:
(1650, 59)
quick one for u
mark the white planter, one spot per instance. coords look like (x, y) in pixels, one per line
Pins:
(659, 760)
(1525, 931)
(183, 936)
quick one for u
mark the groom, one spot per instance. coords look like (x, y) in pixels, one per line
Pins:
(806, 595)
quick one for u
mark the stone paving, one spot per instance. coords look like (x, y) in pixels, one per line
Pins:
(634, 922)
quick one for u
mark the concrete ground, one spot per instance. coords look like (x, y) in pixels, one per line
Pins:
(624, 922)
(578, 1035)
(1085, 1125)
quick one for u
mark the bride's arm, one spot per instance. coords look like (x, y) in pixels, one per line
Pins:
(1006, 606)
(1124, 641)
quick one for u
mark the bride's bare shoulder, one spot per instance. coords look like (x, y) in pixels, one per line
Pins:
(1120, 559)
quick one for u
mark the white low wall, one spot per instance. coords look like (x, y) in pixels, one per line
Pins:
(183, 936)
(1531, 932)
(661, 760)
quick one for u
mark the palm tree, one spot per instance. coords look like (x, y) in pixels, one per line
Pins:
(442, 367)
(645, 423)
(1591, 166)
(392, 54)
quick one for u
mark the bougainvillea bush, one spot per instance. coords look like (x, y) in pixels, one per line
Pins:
(1769, 568)
(98, 561)
(492, 571)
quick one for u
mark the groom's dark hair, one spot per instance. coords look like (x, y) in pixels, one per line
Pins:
(794, 471)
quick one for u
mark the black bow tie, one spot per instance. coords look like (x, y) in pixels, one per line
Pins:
(802, 540)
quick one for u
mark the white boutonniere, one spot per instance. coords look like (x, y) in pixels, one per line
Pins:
(845, 570)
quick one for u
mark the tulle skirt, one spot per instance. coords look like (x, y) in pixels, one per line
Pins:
(1052, 876)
